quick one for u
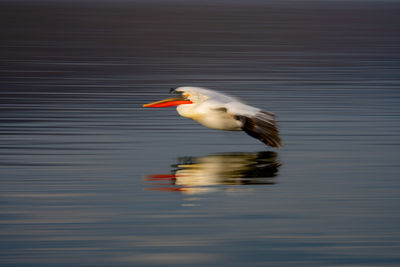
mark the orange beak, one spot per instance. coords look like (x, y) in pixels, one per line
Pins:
(168, 103)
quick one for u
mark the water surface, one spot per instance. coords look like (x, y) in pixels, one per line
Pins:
(90, 178)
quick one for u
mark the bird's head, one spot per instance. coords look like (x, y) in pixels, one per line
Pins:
(185, 95)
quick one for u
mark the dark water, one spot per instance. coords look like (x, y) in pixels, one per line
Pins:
(90, 178)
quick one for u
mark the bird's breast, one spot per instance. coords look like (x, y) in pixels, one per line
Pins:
(219, 121)
(211, 118)
(226, 124)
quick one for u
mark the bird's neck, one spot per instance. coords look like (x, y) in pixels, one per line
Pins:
(187, 110)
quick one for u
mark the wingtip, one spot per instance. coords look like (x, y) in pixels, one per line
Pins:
(262, 127)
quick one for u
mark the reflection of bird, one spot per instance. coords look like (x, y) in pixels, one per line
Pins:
(202, 174)
(218, 111)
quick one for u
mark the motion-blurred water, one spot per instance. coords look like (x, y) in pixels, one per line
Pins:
(88, 177)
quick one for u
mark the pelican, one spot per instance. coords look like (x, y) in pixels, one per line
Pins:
(219, 111)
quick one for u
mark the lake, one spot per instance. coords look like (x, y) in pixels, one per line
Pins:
(90, 178)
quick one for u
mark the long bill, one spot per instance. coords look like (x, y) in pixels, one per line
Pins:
(168, 103)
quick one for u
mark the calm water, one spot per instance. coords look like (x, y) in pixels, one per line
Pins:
(88, 175)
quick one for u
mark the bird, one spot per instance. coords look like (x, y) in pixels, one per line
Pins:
(222, 112)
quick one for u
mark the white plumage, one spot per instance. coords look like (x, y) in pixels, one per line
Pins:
(218, 111)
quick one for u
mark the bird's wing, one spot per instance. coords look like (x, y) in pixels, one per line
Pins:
(208, 94)
(257, 123)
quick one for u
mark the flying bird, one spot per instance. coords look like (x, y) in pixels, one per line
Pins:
(219, 111)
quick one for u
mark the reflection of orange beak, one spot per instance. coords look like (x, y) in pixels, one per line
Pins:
(166, 186)
(159, 177)
(168, 103)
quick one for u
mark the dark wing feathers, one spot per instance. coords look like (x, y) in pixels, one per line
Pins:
(263, 127)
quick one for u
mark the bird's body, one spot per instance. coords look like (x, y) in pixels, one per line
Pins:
(210, 114)
(218, 111)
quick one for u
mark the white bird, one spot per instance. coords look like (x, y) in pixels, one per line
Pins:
(218, 111)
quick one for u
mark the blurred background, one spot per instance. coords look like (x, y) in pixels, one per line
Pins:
(88, 177)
